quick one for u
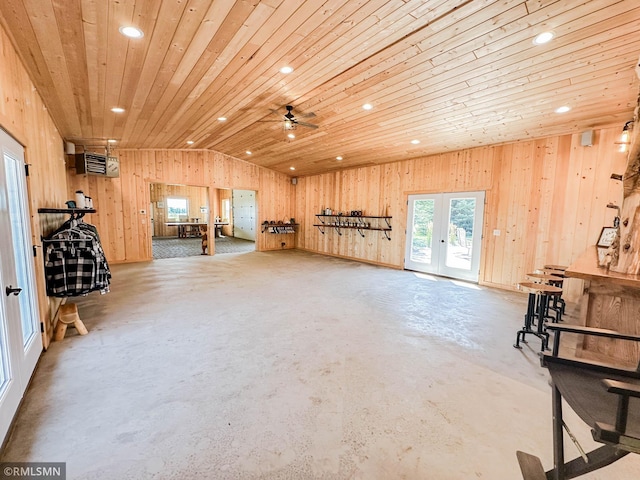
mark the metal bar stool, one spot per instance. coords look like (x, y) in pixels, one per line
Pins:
(557, 303)
(536, 308)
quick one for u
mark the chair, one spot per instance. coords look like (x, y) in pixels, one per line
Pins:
(605, 397)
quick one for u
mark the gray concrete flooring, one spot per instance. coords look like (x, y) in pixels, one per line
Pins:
(290, 365)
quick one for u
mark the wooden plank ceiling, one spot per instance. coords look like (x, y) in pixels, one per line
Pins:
(449, 73)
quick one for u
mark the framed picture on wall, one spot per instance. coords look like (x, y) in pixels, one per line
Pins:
(160, 204)
(607, 236)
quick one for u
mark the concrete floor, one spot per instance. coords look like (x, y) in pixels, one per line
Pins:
(289, 365)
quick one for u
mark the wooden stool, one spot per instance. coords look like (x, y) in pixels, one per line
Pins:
(552, 271)
(557, 267)
(68, 315)
(536, 307)
(558, 304)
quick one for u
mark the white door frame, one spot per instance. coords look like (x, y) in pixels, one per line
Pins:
(19, 314)
(440, 242)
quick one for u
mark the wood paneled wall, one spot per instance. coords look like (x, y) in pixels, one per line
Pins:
(547, 197)
(225, 194)
(24, 116)
(125, 231)
(196, 197)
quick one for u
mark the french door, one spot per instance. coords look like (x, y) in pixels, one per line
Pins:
(444, 234)
(20, 339)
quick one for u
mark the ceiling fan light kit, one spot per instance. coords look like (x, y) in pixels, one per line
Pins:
(290, 120)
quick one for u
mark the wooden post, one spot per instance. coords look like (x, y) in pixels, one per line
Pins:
(626, 255)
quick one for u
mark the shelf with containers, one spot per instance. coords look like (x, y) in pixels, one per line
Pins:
(360, 223)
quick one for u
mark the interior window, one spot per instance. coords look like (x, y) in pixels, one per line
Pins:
(177, 208)
(225, 209)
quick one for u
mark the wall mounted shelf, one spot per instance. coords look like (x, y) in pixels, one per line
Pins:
(360, 223)
(279, 228)
(67, 211)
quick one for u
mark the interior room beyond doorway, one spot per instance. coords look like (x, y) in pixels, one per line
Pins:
(182, 214)
(179, 217)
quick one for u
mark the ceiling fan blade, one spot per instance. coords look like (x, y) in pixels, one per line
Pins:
(307, 115)
(308, 125)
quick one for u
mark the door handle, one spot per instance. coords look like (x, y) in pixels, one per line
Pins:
(10, 290)
(441, 241)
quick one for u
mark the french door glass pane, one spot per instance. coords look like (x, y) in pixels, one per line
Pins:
(4, 357)
(459, 240)
(13, 169)
(422, 238)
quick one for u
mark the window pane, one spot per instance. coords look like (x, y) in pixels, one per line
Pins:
(176, 208)
(421, 240)
(17, 213)
(461, 217)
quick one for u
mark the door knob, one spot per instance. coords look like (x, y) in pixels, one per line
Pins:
(10, 290)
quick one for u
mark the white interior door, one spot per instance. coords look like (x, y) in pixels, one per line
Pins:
(444, 234)
(244, 214)
(20, 340)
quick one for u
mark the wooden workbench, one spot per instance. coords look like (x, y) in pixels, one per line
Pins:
(610, 300)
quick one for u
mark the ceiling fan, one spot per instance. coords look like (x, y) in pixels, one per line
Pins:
(291, 121)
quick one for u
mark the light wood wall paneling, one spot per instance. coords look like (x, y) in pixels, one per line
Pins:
(122, 199)
(547, 197)
(24, 116)
(224, 194)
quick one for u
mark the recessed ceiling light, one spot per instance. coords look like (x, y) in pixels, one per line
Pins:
(543, 38)
(111, 140)
(189, 142)
(222, 119)
(338, 158)
(248, 152)
(563, 109)
(292, 168)
(415, 142)
(291, 135)
(117, 110)
(286, 69)
(131, 32)
(367, 106)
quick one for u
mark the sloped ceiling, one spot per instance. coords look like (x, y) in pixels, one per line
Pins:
(450, 74)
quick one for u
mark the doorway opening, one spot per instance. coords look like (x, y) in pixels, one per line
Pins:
(235, 219)
(444, 234)
(179, 217)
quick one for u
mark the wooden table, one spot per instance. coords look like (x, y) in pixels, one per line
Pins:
(192, 229)
(610, 300)
(217, 226)
(186, 229)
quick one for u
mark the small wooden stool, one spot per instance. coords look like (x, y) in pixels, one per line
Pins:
(68, 315)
